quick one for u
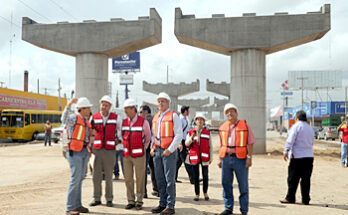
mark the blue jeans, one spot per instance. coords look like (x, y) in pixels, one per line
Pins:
(119, 154)
(48, 139)
(344, 153)
(230, 165)
(165, 171)
(78, 166)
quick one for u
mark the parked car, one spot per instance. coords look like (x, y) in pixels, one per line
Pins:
(55, 134)
(316, 131)
(328, 133)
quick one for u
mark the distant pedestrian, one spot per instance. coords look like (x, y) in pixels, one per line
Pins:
(48, 133)
(299, 149)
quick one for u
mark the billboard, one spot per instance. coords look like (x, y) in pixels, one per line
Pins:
(322, 109)
(7, 101)
(315, 79)
(126, 63)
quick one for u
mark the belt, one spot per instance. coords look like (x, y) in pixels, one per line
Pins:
(231, 154)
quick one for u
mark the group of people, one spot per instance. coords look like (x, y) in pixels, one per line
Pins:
(163, 142)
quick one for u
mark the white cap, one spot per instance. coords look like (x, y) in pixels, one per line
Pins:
(163, 95)
(129, 103)
(106, 98)
(83, 102)
(200, 115)
(230, 106)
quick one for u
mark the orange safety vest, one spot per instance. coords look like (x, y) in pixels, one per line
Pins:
(241, 139)
(167, 129)
(77, 140)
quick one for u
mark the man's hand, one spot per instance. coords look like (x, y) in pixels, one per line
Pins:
(219, 164)
(248, 163)
(152, 152)
(72, 101)
(180, 147)
(285, 156)
(166, 153)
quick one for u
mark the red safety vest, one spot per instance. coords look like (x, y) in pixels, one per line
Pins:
(78, 136)
(241, 139)
(105, 136)
(199, 151)
(133, 137)
(167, 129)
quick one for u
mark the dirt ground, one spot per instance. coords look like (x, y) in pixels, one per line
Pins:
(34, 180)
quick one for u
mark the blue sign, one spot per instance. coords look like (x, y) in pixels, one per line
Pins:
(313, 104)
(129, 62)
(286, 93)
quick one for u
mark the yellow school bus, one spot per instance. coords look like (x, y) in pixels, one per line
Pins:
(21, 124)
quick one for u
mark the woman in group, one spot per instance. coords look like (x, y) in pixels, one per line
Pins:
(200, 153)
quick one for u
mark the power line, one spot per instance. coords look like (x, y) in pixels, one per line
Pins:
(34, 10)
(10, 22)
(65, 11)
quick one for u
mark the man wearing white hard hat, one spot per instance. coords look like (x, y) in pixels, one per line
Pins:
(200, 153)
(167, 130)
(104, 124)
(79, 134)
(236, 149)
(136, 137)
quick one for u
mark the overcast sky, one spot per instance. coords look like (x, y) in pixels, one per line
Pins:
(186, 63)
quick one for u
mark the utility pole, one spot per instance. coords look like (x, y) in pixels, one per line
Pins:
(59, 89)
(10, 62)
(38, 86)
(167, 73)
(345, 102)
(302, 78)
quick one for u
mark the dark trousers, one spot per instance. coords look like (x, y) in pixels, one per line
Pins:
(180, 160)
(299, 169)
(195, 169)
(48, 139)
(149, 164)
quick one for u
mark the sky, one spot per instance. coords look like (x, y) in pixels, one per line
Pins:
(186, 63)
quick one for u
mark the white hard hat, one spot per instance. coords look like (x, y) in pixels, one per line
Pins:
(129, 103)
(106, 98)
(200, 115)
(230, 106)
(83, 102)
(163, 95)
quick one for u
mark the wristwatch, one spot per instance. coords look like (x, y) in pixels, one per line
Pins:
(249, 156)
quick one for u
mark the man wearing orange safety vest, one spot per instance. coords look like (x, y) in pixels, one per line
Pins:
(136, 136)
(77, 154)
(105, 126)
(236, 149)
(167, 130)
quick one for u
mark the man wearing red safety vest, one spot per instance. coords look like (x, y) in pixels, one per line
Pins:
(104, 124)
(236, 149)
(167, 130)
(77, 154)
(136, 137)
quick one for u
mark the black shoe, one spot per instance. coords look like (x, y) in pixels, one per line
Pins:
(305, 203)
(138, 207)
(155, 193)
(226, 212)
(244, 213)
(145, 196)
(206, 198)
(129, 206)
(109, 204)
(117, 177)
(95, 203)
(177, 181)
(196, 199)
(158, 209)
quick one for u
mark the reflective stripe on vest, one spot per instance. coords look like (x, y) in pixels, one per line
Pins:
(166, 129)
(199, 151)
(133, 137)
(241, 139)
(106, 133)
(77, 140)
